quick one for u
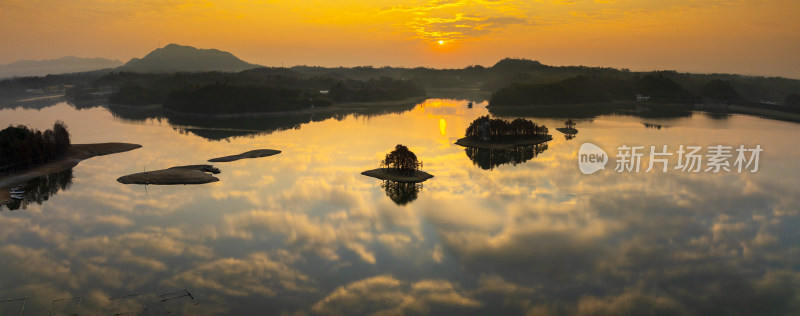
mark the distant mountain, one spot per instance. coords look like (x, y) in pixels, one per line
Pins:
(174, 58)
(62, 65)
(514, 64)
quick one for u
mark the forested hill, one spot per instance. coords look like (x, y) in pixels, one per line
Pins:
(178, 58)
(515, 77)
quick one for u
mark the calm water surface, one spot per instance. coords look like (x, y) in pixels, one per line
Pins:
(304, 233)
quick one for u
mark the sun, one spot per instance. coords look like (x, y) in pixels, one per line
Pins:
(441, 42)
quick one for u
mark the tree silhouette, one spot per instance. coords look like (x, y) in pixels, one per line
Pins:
(487, 129)
(569, 124)
(21, 147)
(402, 161)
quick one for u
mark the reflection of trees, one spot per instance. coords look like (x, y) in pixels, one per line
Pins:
(487, 159)
(401, 193)
(220, 128)
(42, 188)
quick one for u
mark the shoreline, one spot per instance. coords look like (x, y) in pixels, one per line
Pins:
(257, 153)
(76, 154)
(191, 174)
(384, 174)
(474, 143)
(765, 113)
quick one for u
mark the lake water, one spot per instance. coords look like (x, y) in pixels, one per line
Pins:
(303, 232)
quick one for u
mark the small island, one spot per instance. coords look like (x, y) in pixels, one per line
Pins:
(488, 133)
(192, 174)
(258, 153)
(569, 128)
(400, 165)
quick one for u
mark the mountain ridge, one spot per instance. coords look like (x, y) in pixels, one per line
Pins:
(66, 64)
(181, 58)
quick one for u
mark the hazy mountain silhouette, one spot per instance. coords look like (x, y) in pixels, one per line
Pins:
(177, 58)
(61, 65)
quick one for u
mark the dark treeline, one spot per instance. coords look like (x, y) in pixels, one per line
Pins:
(488, 159)
(658, 87)
(22, 148)
(228, 99)
(793, 100)
(21, 86)
(380, 89)
(257, 90)
(146, 88)
(486, 129)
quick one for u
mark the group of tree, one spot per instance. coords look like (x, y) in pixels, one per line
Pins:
(583, 89)
(233, 99)
(257, 90)
(380, 89)
(22, 147)
(401, 160)
(505, 74)
(499, 129)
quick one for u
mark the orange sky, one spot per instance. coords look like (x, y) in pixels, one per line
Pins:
(759, 37)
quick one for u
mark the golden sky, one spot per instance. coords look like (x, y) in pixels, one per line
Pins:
(759, 37)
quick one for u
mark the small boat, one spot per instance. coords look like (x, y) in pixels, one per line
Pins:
(16, 191)
(18, 197)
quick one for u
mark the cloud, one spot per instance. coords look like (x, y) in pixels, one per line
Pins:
(458, 20)
(256, 273)
(386, 295)
(631, 303)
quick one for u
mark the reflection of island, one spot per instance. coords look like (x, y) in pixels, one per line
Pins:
(42, 188)
(224, 127)
(401, 193)
(487, 158)
(493, 142)
(654, 126)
